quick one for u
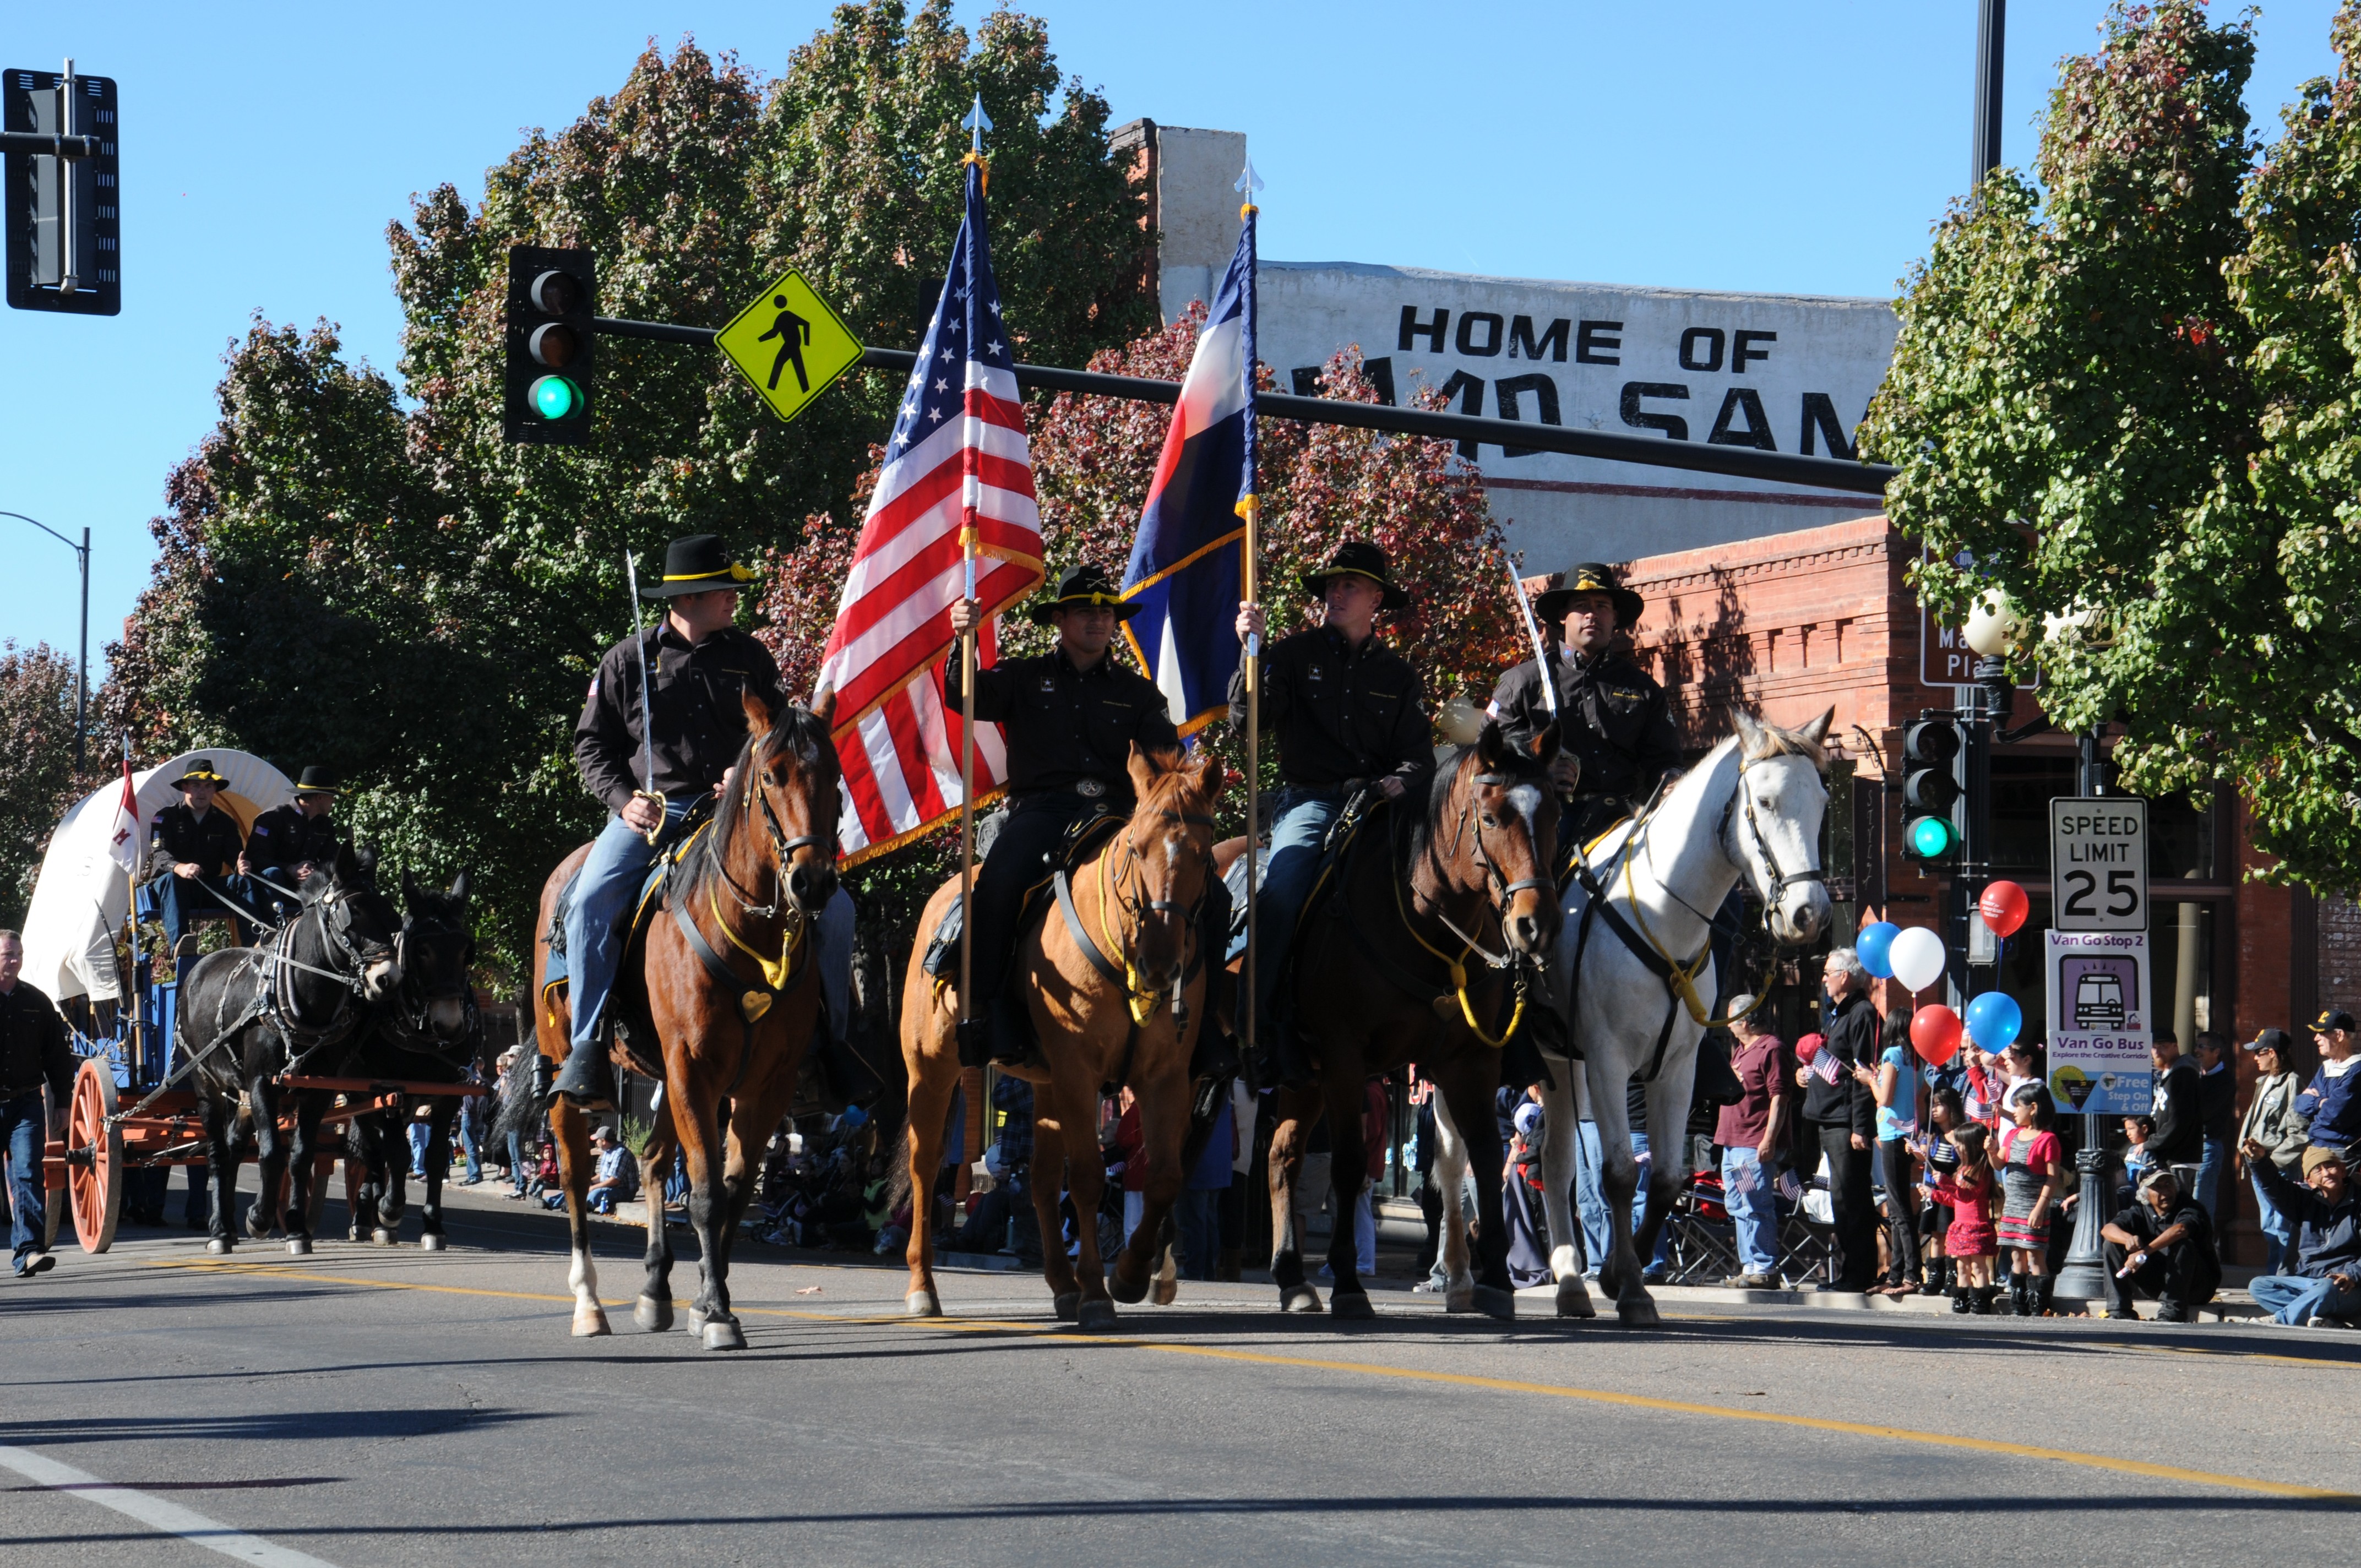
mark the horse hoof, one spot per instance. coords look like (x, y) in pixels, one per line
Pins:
(653, 1313)
(1095, 1317)
(1495, 1302)
(1123, 1290)
(1168, 1291)
(430, 1242)
(722, 1333)
(1639, 1313)
(1068, 1303)
(217, 1245)
(590, 1323)
(384, 1237)
(1299, 1299)
(1459, 1297)
(298, 1247)
(921, 1304)
(697, 1320)
(1574, 1300)
(1353, 1304)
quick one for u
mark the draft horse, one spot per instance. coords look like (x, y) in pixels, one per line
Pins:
(427, 1031)
(732, 1021)
(1382, 978)
(249, 1015)
(1117, 983)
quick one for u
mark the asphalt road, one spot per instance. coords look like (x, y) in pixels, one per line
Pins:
(367, 1406)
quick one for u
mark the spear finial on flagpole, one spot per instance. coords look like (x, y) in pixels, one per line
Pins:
(976, 124)
(1248, 183)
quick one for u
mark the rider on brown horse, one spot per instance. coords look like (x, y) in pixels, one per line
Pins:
(1348, 711)
(1072, 717)
(697, 663)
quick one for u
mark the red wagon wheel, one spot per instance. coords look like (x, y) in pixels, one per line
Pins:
(95, 1184)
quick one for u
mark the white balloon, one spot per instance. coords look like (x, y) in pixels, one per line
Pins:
(1918, 958)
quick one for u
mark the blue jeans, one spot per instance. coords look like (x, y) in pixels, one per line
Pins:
(2294, 1298)
(1590, 1198)
(611, 878)
(520, 1173)
(1200, 1233)
(419, 1132)
(2210, 1165)
(1304, 818)
(1753, 1205)
(468, 1144)
(603, 889)
(2279, 1232)
(25, 1124)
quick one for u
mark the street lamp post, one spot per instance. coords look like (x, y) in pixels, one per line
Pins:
(82, 663)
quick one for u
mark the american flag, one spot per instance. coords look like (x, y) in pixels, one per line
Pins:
(957, 459)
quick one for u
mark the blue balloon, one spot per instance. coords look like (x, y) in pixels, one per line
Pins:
(1876, 945)
(1993, 1020)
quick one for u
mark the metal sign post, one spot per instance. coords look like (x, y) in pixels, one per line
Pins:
(2097, 968)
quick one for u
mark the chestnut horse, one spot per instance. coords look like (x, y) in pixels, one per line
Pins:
(1385, 975)
(1137, 896)
(752, 883)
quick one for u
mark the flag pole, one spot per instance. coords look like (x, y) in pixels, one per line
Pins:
(128, 984)
(976, 124)
(1250, 508)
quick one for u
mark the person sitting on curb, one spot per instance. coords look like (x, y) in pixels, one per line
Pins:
(607, 1177)
(2162, 1247)
(2325, 1290)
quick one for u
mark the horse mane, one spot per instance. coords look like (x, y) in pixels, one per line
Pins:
(1417, 826)
(795, 729)
(1774, 741)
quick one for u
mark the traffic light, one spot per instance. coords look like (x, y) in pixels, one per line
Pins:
(1931, 787)
(553, 295)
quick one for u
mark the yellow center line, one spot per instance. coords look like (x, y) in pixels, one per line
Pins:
(1415, 1375)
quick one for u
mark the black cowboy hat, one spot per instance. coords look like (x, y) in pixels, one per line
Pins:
(1359, 558)
(199, 771)
(316, 779)
(1081, 585)
(1591, 577)
(697, 564)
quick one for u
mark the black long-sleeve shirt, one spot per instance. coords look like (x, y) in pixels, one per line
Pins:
(178, 835)
(1851, 1039)
(1340, 712)
(2178, 1138)
(2217, 1104)
(693, 702)
(1612, 718)
(286, 838)
(33, 1048)
(1067, 726)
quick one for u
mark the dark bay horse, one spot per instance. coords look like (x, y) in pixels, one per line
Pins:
(732, 1021)
(427, 1031)
(246, 1016)
(1387, 972)
(1127, 1011)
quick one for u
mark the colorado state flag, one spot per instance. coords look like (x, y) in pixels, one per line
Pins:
(1187, 571)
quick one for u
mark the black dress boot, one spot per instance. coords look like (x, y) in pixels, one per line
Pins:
(587, 1079)
(1011, 1028)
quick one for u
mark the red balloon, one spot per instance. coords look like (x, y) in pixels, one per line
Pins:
(1935, 1030)
(2003, 907)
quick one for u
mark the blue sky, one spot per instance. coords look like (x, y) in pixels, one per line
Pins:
(1795, 149)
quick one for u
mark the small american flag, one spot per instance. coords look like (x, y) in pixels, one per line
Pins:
(958, 460)
(1825, 1066)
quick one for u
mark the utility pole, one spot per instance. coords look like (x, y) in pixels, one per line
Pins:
(82, 663)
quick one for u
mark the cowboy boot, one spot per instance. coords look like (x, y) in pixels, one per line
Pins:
(586, 1079)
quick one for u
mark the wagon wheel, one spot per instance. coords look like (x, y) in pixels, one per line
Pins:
(94, 1185)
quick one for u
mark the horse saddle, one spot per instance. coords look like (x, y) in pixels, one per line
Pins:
(680, 839)
(1082, 835)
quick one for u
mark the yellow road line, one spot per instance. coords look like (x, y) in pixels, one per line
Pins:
(1451, 1380)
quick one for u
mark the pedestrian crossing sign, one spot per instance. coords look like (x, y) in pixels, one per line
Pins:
(790, 344)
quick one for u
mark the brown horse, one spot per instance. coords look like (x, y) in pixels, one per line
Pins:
(752, 883)
(1137, 896)
(1384, 977)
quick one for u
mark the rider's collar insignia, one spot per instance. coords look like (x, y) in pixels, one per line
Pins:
(1089, 789)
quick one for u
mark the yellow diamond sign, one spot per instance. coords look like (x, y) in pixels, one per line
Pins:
(790, 344)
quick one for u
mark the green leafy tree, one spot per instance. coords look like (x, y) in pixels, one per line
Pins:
(400, 593)
(2126, 399)
(37, 771)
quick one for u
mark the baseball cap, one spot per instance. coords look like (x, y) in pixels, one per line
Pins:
(2267, 1040)
(2320, 1155)
(2332, 1018)
(2156, 1176)
(1529, 1116)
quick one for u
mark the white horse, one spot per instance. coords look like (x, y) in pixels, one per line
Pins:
(1635, 976)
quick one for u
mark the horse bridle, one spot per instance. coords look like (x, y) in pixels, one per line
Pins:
(412, 1013)
(1506, 891)
(783, 848)
(1189, 913)
(1741, 798)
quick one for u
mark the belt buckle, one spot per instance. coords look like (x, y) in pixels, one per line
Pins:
(1089, 789)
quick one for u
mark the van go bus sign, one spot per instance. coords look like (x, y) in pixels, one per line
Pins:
(2098, 955)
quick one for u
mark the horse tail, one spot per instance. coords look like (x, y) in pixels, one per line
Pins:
(520, 1105)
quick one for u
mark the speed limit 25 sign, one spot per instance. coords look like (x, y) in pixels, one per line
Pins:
(2098, 863)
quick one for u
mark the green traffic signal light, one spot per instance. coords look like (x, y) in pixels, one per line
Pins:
(1931, 837)
(555, 398)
